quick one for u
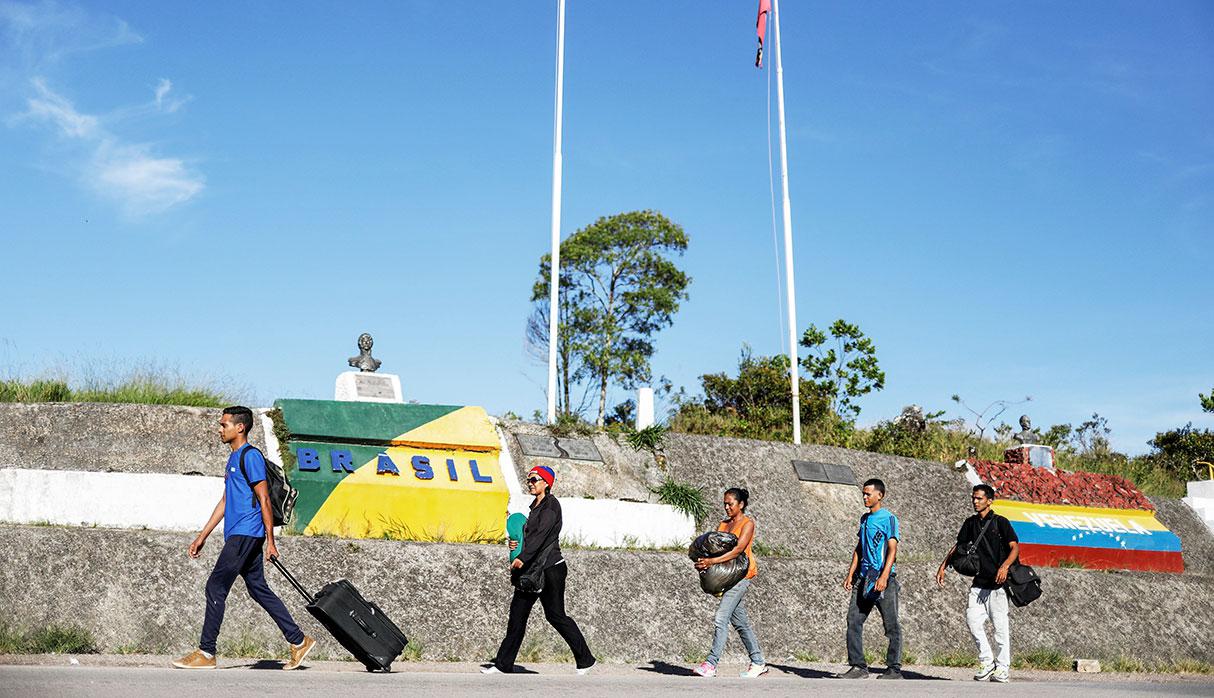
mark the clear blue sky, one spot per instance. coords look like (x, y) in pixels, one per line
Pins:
(1010, 198)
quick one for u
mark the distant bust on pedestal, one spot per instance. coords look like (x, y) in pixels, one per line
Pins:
(365, 385)
(1026, 436)
(364, 361)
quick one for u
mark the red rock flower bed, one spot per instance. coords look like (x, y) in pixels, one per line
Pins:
(1042, 486)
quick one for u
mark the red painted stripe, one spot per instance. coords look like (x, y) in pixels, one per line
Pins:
(1102, 558)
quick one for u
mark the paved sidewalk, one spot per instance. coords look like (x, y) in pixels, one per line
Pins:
(122, 676)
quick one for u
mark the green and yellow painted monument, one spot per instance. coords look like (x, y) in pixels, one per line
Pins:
(408, 472)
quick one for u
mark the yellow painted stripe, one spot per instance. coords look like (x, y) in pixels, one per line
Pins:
(1020, 511)
(467, 428)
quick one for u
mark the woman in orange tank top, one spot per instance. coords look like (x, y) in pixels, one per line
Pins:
(732, 610)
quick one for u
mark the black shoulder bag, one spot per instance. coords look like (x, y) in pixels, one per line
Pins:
(967, 562)
(1023, 586)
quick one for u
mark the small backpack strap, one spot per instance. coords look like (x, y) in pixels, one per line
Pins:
(243, 453)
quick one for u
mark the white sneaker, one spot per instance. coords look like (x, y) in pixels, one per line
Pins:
(706, 670)
(754, 671)
(491, 669)
(984, 672)
(1000, 676)
(585, 670)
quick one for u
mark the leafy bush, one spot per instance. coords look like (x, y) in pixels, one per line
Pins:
(686, 498)
(648, 439)
(755, 405)
(568, 424)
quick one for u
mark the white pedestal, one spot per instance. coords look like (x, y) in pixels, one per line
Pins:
(359, 386)
(644, 408)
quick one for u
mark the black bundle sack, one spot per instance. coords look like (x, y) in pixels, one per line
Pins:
(718, 578)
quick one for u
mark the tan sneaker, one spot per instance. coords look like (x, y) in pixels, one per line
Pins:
(298, 653)
(195, 660)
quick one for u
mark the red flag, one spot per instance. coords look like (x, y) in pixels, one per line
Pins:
(761, 29)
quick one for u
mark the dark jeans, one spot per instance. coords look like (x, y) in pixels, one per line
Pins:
(858, 612)
(241, 556)
(553, 600)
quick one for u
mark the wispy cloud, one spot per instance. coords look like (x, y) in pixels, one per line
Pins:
(40, 34)
(34, 38)
(164, 102)
(130, 174)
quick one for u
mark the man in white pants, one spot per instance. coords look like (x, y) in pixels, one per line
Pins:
(997, 549)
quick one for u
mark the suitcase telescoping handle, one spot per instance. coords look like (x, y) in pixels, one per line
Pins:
(290, 578)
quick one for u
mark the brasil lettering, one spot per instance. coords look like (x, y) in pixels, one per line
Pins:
(342, 461)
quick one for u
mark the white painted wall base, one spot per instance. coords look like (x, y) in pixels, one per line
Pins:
(113, 500)
(612, 523)
(606, 523)
(1201, 500)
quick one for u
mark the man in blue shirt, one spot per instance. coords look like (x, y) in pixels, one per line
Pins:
(875, 583)
(248, 531)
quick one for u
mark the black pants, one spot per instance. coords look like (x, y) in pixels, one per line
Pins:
(241, 556)
(858, 612)
(553, 600)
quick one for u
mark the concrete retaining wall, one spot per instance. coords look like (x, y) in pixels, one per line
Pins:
(138, 589)
(107, 437)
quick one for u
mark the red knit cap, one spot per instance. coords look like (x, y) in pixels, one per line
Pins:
(545, 474)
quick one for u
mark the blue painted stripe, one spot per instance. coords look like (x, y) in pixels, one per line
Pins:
(1158, 541)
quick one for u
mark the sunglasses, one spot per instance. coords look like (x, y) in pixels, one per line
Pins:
(534, 480)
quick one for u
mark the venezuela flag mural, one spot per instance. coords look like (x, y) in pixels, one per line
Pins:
(1094, 520)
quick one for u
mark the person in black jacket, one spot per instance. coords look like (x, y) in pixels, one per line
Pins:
(541, 552)
(998, 547)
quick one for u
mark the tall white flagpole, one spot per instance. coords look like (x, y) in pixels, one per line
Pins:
(794, 368)
(554, 295)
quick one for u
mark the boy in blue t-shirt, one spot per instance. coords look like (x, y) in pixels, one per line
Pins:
(875, 584)
(248, 530)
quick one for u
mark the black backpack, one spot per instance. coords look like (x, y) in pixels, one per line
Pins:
(282, 494)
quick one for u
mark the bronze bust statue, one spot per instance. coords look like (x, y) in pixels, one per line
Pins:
(364, 361)
(1026, 436)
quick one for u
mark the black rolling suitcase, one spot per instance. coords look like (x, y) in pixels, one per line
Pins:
(358, 624)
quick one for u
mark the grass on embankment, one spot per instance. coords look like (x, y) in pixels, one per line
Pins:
(54, 639)
(146, 388)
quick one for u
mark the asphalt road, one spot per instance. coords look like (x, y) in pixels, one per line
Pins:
(124, 677)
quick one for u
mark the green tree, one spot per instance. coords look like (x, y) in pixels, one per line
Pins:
(621, 288)
(1207, 401)
(757, 404)
(845, 370)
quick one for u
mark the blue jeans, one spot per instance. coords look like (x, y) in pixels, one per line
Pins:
(857, 613)
(733, 610)
(241, 557)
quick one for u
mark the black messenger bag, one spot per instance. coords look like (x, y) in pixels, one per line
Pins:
(967, 562)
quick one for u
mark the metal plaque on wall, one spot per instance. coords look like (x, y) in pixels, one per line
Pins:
(809, 471)
(552, 447)
(371, 385)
